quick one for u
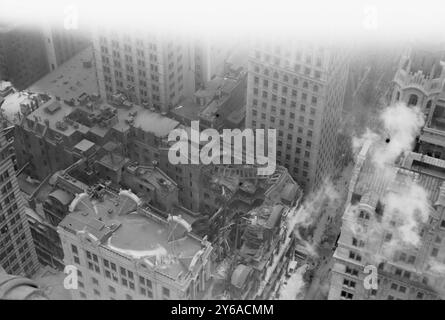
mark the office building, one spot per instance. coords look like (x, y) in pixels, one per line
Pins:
(156, 69)
(17, 252)
(23, 58)
(298, 89)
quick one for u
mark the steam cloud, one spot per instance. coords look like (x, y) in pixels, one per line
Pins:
(401, 124)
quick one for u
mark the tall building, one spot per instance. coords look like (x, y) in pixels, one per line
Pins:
(151, 68)
(123, 251)
(62, 44)
(298, 89)
(211, 56)
(371, 233)
(23, 58)
(17, 252)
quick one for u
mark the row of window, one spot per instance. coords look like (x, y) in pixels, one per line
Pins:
(111, 271)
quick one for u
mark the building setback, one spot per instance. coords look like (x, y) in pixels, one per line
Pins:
(298, 89)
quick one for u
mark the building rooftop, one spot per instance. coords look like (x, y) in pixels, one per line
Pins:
(153, 175)
(65, 117)
(71, 79)
(373, 183)
(116, 222)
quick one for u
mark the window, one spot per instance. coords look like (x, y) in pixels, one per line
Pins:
(346, 295)
(349, 283)
(351, 271)
(166, 292)
(412, 100)
(355, 256)
(111, 289)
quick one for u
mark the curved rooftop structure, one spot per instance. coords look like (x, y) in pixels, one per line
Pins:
(19, 288)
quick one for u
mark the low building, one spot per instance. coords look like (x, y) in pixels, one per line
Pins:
(267, 249)
(123, 251)
(216, 104)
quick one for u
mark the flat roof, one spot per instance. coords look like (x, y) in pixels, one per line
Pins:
(84, 145)
(70, 79)
(144, 119)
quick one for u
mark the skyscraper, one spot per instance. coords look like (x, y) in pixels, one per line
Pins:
(23, 58)
(17, 252)
(149, 68)
(298, 88)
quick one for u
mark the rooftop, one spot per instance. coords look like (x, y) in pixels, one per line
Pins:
(66, 119)
(153, 175)
(71, 79)
(116, 222)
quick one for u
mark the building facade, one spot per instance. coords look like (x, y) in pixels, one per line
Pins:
(118, 257)
(17, 252)
(149, 68)
(371, 235)
(23, 58)
(298, 89)
(420, 82)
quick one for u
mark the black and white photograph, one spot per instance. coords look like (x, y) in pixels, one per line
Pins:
(227, 155)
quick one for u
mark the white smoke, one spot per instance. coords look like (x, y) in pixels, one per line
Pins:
(405, 205)
(311, 212)
(294, 288)
(401, 124)
(315, 203)
(408, 208)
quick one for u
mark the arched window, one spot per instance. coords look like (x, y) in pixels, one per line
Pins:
(398, 96)
(412, 100)
(428, 104)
